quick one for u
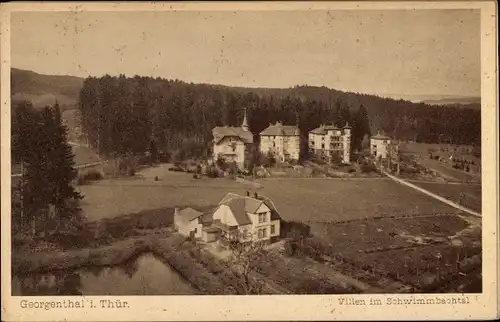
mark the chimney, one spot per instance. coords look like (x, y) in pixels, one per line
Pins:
(256, 195)
(176, 212)
(248, 193)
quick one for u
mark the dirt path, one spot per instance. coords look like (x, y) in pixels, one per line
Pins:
(445, 182)
(433, 195)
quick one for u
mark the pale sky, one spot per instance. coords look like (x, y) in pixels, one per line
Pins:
(407, 52)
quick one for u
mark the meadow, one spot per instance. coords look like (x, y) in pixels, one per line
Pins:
(336, 200)
(444, 167)
(116, 197)
(471, 193)
(319, 200)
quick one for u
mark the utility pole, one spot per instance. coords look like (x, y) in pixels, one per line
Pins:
(99, 122)
(398, 159)
(21, 195)
(389, 159)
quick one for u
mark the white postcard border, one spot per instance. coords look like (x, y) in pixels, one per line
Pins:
(290, 307)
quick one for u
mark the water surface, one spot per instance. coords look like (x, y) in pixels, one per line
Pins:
(145, 275)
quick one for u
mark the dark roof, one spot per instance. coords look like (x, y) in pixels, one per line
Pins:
(189, 214)
(278, 129)
(241, 205)
(274, 212)
(221, 132)
(322, 129)
(237, 206)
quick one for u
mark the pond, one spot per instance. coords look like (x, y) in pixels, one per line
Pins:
(145, 275)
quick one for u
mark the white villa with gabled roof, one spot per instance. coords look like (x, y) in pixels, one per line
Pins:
(247, 218)
(236, 218)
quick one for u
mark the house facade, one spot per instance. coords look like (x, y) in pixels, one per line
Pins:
(232, 143)
(246, 219)
(331, 143)
(379, 146)
(283, 141)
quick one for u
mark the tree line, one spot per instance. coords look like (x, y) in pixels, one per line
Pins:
(44, 196)
(123, 115)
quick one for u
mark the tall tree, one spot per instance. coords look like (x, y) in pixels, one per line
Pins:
(25, 148)
(62, 172)
(361, 127)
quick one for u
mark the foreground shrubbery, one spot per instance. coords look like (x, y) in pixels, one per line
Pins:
(92, 175)
(368, 168)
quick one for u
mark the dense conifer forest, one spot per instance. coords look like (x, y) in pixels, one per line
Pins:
(127, 115)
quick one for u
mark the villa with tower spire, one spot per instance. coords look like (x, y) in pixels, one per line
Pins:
(231, 143)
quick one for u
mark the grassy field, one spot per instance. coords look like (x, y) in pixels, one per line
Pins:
(320, 200)
(112, 198)
(331, 200)
(471, 198)
(449, 173)
(444, 168)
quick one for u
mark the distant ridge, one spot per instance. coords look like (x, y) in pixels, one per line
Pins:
(44, 90)
(454, 101)
(439, 100)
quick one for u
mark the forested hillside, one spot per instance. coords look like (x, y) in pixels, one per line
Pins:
(44, 90)
(123, 114)
(171, 113)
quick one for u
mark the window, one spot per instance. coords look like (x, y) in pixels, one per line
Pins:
(262, 217)
(259, 233)
(273, 231)
(264, 232)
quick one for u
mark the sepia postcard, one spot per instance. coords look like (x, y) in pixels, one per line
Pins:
(249, 161)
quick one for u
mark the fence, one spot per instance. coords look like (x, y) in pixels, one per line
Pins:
(81, 166)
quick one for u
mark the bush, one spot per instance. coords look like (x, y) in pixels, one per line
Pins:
(290, 248)
(212, 172)
(91, 175)
(351, 170)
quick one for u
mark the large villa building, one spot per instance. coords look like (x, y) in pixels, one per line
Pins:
(232, 143)
(283, 141)
(331, 142)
